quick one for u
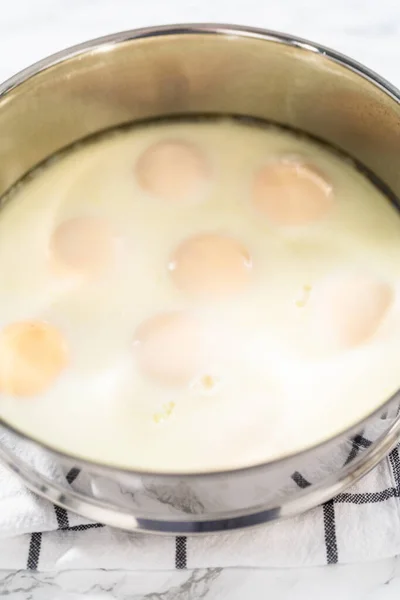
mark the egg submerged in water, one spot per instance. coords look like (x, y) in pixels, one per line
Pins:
(32, 356)
(210, 265)
(173, 170)
(348, 309)
(168, 347)
(291, 193)
(84, 245)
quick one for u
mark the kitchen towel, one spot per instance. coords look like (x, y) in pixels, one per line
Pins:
(360, 524)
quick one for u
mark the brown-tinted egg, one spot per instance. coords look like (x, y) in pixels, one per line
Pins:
(169, 348)
(172, 170)
(291, 193)
(84, 245)
(211, 264)
(348, 310)
(32, 356)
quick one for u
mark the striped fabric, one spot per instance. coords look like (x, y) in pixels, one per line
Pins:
(362, 523)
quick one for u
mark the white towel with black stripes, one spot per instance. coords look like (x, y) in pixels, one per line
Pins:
(359, 525)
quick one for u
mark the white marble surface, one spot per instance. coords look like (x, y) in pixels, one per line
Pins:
(368, 30)
(377, 581)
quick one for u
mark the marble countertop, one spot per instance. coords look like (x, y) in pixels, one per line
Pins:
(368, 31)
(377, 581)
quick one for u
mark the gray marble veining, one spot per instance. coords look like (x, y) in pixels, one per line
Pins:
(379, 581)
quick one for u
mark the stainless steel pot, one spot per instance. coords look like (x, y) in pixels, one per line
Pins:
(193, 69)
